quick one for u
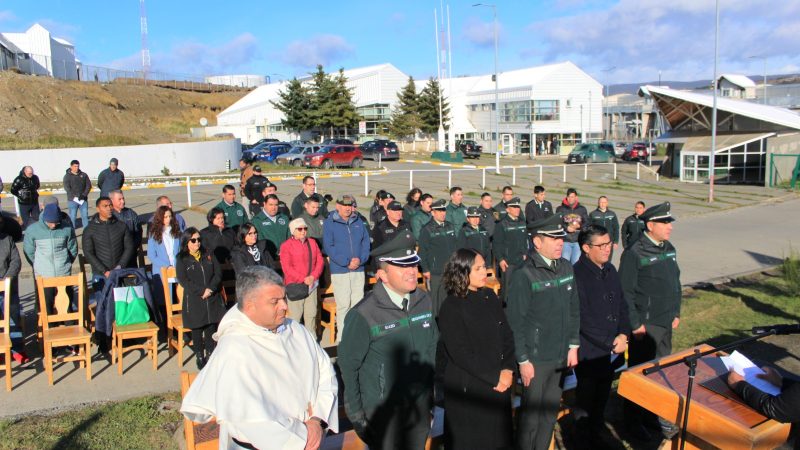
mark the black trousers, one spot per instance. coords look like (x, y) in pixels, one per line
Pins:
(541, 401)
(202, 342)
(656, 343)
(29, 214)
(594, 385)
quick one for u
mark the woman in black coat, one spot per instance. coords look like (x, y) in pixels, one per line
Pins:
(249, 251)
(201, 277)
(217, 239)
(479, 350)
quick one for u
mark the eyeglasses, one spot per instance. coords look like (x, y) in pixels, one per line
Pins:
(604, 245)
(194, 240)
(252, 233)
(301, 228)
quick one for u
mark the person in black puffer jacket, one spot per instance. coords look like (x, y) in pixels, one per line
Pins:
(217, 239)
(201, 277)
(26, 188)
(106, 243)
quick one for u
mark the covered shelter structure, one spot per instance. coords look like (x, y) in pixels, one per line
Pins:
(755, 144)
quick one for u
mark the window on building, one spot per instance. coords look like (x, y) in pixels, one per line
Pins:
(516, 111)
(485, 107)
(545, 110)
(276, 128)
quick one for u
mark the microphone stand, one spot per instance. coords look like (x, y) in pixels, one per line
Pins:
(691, 362)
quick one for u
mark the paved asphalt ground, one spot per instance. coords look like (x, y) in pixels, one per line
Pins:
(747, 229)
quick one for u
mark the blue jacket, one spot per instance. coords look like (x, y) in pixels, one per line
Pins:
(157, 253)
(345, 240)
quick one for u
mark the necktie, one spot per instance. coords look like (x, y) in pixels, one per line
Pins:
(405, 304)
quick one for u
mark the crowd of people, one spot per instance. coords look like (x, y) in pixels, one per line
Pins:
(562, 306)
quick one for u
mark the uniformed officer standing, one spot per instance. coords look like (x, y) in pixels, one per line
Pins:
(387, 353)
(489, 215)
(474, 236)
(633, 227)
(651, 282)
(423, 215)
(456, 211)
(437, 241)
(378, 210)
(607, 219)
(511, 242)
(538, 208)
(254, 190)
(543, 312)
(508, 194)
(391, 226)
(272, 188)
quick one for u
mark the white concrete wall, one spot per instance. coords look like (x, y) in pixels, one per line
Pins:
(135, 160)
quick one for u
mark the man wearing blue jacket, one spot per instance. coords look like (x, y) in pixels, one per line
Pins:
(346, 242)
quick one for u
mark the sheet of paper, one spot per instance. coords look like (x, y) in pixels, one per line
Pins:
(744, 367)
(76, 200)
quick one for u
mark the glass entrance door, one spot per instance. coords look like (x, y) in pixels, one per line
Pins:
(507, 144)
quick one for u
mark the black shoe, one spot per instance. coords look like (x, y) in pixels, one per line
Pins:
(669, 431)
(639, 432)
(201, 362)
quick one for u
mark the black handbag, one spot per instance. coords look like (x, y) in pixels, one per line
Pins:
(299, 291)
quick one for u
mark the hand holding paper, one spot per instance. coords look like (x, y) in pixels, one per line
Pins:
(752, 374)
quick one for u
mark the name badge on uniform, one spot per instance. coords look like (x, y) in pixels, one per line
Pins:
(426, 324)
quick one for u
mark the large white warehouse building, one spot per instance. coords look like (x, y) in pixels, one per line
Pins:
(553, 106)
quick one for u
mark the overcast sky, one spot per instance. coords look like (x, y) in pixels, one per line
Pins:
(616, 41)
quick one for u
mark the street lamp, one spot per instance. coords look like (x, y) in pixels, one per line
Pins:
(765, 73)
(713, 124)
(496, 88)
(605, 101)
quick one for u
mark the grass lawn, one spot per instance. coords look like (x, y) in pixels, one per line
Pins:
(713, 316)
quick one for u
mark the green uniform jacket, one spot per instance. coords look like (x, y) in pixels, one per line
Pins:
(543, 310)
(476, 239)
(419, 220)
(607, 220)
(457, 215)
(632, 230)
(274, 232)
(387, 356)
(510, 243)
(235, 214)
(651, 281)
(436, 244)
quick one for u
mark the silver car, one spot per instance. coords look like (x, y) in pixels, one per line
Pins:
(294, 157)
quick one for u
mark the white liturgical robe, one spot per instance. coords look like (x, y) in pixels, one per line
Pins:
(258, 385)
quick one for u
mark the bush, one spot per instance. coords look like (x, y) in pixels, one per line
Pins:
(165, 171)
(791, 270)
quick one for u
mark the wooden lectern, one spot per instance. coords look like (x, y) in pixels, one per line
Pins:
(715, 421)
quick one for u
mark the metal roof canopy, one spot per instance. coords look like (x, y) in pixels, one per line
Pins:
(702, 144)
(689, 110)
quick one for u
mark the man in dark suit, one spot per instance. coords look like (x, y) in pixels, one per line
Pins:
(538, 208)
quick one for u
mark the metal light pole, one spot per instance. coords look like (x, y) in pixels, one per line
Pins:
(496, 89)
(605, 103)
(765, 73)
(714, 110)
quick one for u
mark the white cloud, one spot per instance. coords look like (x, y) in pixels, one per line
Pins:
(7, 16)
(320, 49)
(481, 34)
(641, 37)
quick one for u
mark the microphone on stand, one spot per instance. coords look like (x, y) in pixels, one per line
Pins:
(777, 329)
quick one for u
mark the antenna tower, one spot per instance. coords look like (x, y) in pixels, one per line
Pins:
(145, 50)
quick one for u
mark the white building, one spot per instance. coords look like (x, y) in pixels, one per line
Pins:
(243, 81)
(37, 52)
(556, 106)
(736, 86)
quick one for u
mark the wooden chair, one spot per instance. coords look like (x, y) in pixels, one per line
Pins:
(121, 333)
(329, 305)
(174, 319)
(88, 291)
(64, 335)
(198, 436)
(5, 335)
(228, 291)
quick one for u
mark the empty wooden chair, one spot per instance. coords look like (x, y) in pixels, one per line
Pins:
(174, 319)
(5, 330)
(199, 436)
(329, 305)
(64, 335)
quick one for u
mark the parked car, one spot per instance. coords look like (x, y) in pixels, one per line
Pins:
(383, 147)
(294, 157)
(271, 151)
(258, 142)
(619, 149)
(335, 156)
(636, 152)
(591, 153)
(337, 141)
(469, 148)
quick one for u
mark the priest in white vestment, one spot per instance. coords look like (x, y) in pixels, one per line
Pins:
(268, 384)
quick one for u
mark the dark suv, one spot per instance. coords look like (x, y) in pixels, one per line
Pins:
(335, 156)
(469, 148)
(383, 147)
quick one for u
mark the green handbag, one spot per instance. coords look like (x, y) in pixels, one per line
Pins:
(130, 306)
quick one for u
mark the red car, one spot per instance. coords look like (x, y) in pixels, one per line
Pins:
(635, 152)
(335, 156)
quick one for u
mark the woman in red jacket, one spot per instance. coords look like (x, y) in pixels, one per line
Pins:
(302, 263)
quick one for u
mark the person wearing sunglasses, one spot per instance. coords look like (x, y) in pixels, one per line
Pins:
(201, 277)
(249, 251)
(605, 328)
(302, 265)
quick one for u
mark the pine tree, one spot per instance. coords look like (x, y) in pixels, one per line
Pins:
(428, 108)
(295, 104)
(343, 109)
(405, 118)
